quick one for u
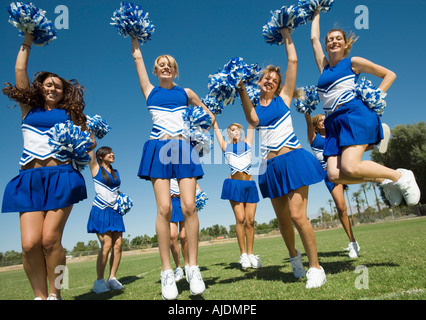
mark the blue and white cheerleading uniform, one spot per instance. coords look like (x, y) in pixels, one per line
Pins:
(280, 175)
(169, 158)
(44, 188)
(238, 156)
(104, 215)
(177, 215)
(348, 120)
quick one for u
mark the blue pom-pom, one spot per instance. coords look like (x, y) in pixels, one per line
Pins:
(67, 138)
(124, 203)
(131, 20)
(212, 104)
(98, 126)
(200, 200)
(309, 6)
(374, 98)
(287, 17)
(222, 85)
(196, 122)
(30, 19)
(253, 92)
(308, 101)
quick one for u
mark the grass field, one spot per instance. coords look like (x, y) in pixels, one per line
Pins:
(392, 259)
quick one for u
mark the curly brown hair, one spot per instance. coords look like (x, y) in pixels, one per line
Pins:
(72, 101)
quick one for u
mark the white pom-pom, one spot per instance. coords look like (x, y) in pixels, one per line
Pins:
(124, 203)
(196, 122)
(308, 101)
(309, 6)
(131, 20)
(98, 126)
(374, 98)
(212, 104)
(32, 20)
(200, 200)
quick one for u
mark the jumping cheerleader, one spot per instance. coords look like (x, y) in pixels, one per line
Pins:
(350, 125)
(287, 169)
(47, 185)
(166, 155)
(240, 188)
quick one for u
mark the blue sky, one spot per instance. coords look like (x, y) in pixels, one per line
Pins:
(202, 36)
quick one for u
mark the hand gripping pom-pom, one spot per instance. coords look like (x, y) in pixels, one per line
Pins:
(374, 98)
(124, 203)
(131, 20)
(309, 6)
(67, 138)
(98, 126)
(32, 20)
(200, 200)
(308, 101)
(222, 85)
(196, 122)
(287, 17)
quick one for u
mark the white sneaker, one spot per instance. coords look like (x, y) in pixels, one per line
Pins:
(382, 146)
(254, 261)
(52, 296)
(244, 261)
(100, 286)
(169, 290)
(178, 274)
(196, 283)
(187, 272)
(114, 284)
(408, 186)
(392, 192)
(353, 250)
(297, 265)
(316, 278)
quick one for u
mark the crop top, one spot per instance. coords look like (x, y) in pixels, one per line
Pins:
(238, 156)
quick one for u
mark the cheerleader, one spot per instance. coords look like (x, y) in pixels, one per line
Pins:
(240, 188)
(316, 138)
(168, 154)
(47, 186)
(287, 169)
(350, 125)
(104, 219)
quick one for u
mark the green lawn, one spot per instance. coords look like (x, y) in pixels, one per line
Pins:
(392, 257)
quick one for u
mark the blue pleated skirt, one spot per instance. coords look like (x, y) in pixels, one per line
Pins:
(177, 215)
(166, 159)
(352, 124)
(103, 220)
(45, 188)
(287, 172)
(240, 191)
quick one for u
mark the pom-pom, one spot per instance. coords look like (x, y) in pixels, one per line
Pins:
(222, 85)
(212, 104)
(196, 122)
(131, 20)
(67, 138)
(374, 98)
(309, 6)
(124, 203)
(30, 19)
(200, 200)
(253, 92)
(308, 100)
(287, 17)
(98, 126)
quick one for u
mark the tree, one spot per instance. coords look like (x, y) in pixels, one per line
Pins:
(365, 186)
(407, 149)
(357, 196)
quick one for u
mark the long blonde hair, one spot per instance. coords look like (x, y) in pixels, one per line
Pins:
(350, 40)
(171, 61)
(228, 131)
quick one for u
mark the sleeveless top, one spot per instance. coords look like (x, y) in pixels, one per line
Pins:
(106, 192)
(317, 147)
(35, 131)
(275, 127)
(336, 85)
(238, 157)
(166, 107)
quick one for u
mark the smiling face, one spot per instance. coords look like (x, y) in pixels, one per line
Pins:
(53, 91)
(336, 43)
(270, 82)
(166, 68)
(109, 158)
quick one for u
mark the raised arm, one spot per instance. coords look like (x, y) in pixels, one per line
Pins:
(93, 165)
(319, 55)
(310, 128)
(144, 82)
(21, 74)
(361, 65)
(248, 107)
(250, 135)
(290, 77)
(219, 136)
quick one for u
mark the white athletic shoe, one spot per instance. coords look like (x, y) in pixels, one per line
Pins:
(408, 186)
(392, 192)
(297, 265)
(52, 296)
(244, 261)
(316, 278)
(100, 286)
(169, 290)
(196, 283)
(382, 146)
(178, 274)
(353, 249)
(114, 284)
(254, 261)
